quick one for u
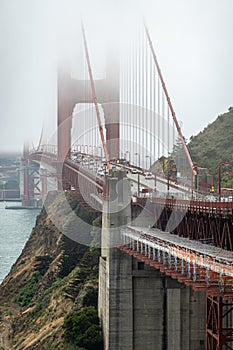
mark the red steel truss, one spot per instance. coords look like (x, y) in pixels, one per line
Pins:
(208, 222)
(218, 334)
(201, 271)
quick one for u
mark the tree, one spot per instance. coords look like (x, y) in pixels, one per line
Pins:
(82, 328)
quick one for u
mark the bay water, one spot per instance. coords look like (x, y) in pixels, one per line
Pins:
(15, 229)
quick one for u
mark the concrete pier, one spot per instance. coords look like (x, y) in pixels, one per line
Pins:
(140, 308)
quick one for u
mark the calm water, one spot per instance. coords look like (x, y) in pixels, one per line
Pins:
(15, 228)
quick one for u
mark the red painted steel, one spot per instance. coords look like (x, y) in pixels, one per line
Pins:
(95, 100)
(218, 287)
(169, 102)
(218, 335)
(25, 172)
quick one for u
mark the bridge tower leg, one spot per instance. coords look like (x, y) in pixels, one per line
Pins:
(44, 184)
(112, 124)
(115, 285)
(25, 162)
(30, 173)
(64, 119)
(33, 193)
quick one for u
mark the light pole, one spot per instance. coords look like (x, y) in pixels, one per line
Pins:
(93, 150)
(150, 160)
(101, 153)
(219, 178)
(138, 154)
(138, 184)
(129, 155)
(169, 173)
(168, 181)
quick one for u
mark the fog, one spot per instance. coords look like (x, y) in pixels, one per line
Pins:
(192, 40)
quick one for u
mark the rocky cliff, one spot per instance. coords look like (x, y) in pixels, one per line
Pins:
(54, 277)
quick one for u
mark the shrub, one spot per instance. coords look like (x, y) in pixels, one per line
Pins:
(27, 293)
(82, 328)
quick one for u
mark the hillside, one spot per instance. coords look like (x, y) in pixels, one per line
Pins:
(214, 145)
(51, 290)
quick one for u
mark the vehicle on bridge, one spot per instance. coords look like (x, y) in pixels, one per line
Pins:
(134, 171)
(149, 176)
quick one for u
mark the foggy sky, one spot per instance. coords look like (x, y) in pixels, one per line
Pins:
(193, 42)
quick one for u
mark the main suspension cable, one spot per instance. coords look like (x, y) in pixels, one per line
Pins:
(169, 101)
(95, 100)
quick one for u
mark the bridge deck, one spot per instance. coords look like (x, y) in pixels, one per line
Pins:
(193, 263)
(221, 255)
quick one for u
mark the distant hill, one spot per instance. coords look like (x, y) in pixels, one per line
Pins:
(214, 145)
(8, 158)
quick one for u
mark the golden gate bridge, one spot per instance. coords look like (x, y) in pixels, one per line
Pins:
(126, 123)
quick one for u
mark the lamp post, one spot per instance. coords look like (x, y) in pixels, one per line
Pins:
(138, 154)
(90, 149)
(93, 150)
(101, 153)
(150, 159)
(129, 155)
(219, 178)
(85, 148)
(169, 173)
(168, 181)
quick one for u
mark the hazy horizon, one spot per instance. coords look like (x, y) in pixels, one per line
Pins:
(192, 42)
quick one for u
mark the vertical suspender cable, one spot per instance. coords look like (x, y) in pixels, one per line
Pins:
(151, 106)
(139, 102)
(163, 124)
(133, 94)
(168, 129)
(155, 115)
(122, 81)
(147, 104)
(158, 102)
(143, 97)
(128, 89)
(169, 102)
(95, 100)
(137, 132)
(123, 99)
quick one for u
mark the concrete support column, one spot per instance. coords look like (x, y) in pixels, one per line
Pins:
(148, 309)
(186, 317)
(115, 275)
(140, 308)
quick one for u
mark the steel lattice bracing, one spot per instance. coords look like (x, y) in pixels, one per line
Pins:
(219, 336)
(207, 222)
(35, 179)
(202, 268)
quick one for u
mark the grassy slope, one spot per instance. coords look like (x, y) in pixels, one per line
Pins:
(214, 144)
(53, 276)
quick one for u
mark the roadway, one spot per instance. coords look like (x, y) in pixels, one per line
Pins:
(158, 186)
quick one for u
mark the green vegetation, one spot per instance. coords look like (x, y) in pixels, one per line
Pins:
(55, 282)
(27, 293)
(214, 145)
(82, 328)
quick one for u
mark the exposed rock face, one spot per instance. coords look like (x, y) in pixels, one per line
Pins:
(52, 276)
